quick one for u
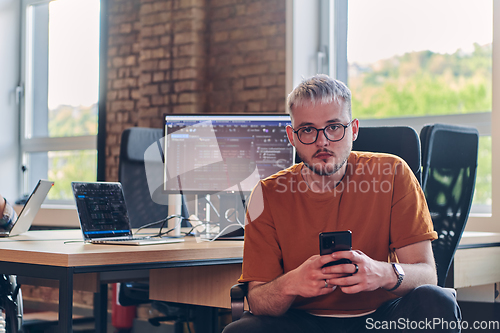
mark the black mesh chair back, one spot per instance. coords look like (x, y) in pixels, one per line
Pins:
(132, 174)
(449, 158)
(401, 141)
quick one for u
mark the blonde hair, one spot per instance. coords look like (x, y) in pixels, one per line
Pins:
(319, 89)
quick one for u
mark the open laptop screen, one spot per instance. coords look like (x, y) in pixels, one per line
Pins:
(102, 210)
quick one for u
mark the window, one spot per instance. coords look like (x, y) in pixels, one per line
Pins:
(60, 74)
(361, 40)
(413, 66)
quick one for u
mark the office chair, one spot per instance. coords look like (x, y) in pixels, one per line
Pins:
(132, 174)
(11, 304)
(449, 158)
(142, 209)
(402, 141)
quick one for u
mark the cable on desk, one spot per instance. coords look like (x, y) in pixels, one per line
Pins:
(73, 241)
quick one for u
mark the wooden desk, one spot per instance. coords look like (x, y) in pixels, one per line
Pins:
(476, 260)
(202, 273)
(61, 255)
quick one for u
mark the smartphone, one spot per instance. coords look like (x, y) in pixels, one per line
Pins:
(330, 242)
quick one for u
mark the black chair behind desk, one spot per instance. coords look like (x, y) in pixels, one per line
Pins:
(402, 141)
(142, 210)
(449, 158)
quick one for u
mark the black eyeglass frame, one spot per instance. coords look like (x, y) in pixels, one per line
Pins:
(324, 133)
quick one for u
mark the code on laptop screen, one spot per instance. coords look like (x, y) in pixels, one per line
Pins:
(102, 209)
(224, 153)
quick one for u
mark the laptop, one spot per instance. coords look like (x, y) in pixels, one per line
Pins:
(29, 211)
(104, 217)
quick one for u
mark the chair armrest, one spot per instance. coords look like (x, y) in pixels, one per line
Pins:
(238, 294)
(452, 291)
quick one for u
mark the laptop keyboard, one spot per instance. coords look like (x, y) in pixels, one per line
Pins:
(125, 239)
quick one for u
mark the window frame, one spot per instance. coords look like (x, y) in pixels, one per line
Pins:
(40, 143)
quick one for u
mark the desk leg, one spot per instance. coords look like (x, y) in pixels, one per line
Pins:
(206, 319)
(101, 309)
(66, 301)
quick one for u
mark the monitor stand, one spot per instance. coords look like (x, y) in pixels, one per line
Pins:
(232, 214)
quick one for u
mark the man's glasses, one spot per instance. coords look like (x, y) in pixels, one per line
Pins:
(334, 132)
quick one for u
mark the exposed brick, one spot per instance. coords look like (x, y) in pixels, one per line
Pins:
(148, 43)
(269, 30)
(122, 117)
(187, 37)
(149, 65)
(227, 56)
(252, 82)
(164, 64)
(156, 100)
(187, 73)
(130, 60)
(112, 94)
(165, 40)
(182, 86)
(151, 89)
(125, 28)
(118, 62)
(159, 30)
(123, 94)
(162, 6)
(185, 108)
(165, 88)
(191, 3)
(143, 102)
(124, 72)
(253, 107)
(276, 92)
(188, 98)
(112, 51)
(253, 94)
(135, 94)
(253, 45)
(221, 36)
(145, 78)
(185, 62)
(269, 106)
(268, 80)
(158, 76)
(253, 70)
(158, 53)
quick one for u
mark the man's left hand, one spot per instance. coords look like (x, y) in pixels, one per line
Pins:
(366, 274)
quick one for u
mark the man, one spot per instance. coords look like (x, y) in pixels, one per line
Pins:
(391, 280)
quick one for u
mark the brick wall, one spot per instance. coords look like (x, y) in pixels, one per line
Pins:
(191, 56)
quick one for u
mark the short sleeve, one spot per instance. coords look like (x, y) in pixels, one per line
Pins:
(262, 258)
(9, 216)
(410, 218)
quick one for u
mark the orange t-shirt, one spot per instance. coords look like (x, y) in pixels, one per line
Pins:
(379, 200)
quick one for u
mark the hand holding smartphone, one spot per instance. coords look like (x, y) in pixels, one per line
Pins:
(330, 242)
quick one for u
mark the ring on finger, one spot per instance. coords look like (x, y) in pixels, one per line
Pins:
(357, 268)
(326, 284)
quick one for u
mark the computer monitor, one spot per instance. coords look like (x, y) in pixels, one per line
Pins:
(206, 154)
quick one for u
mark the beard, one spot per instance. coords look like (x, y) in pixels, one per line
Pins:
(326, 169)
